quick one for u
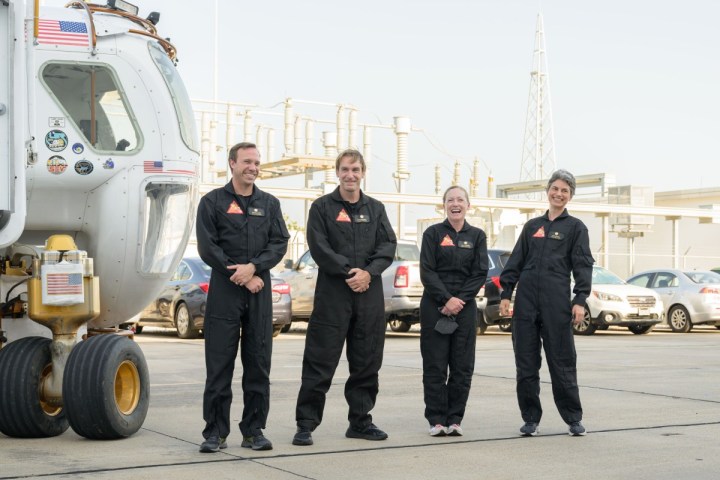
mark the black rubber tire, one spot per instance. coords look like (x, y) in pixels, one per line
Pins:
(98, 370)
(184, 322)
(585, 327)
(286, 328)
(679, 319)
(505, 327)
(23, 364)
(276, 331)
(397, 325)
(640, 329)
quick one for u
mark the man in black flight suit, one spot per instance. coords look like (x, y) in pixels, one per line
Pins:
(352, 242)
(550, 247)
(241, 234)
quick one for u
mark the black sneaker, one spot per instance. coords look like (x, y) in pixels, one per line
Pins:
(213, 444)
(257, 442)
(576, 429)
(303, 437)
(371, 432)
(530, 429)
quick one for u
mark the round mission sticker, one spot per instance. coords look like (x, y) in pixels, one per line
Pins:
(56, 140)
(56, 165)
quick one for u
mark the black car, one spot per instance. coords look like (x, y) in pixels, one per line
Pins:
(490, 315)
(181, 304)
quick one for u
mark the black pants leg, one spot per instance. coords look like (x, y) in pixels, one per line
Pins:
(559, 345)
(435, 350)
(526, 345)
(256, 354)
(461, 363)
(365, 345)
(222, 336)
(324, 342)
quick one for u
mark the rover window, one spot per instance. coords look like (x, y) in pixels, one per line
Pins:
(94, 102)
(168, 221)
(180, 97)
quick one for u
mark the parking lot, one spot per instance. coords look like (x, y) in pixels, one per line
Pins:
(652, 407)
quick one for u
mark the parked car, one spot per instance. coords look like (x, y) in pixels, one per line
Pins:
(181, 304)
(614, 302)
(401, 285)
(489, 309)
(690, 297)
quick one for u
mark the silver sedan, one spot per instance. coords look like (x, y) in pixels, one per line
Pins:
(690, 297)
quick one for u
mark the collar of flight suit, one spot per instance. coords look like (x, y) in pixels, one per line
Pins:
(465, 227)
(229, 188)
(562, 215)
(335, 195)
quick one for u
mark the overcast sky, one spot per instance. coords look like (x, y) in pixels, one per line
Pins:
(635, 84)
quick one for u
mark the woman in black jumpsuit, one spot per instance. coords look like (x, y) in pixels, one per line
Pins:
(549, 250)
(453, 267)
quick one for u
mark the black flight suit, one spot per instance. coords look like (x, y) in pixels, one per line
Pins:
(540, 265)
(343, 236)
(452, 264)
(237, 230)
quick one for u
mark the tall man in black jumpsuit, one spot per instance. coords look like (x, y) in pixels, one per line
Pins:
(241, 234)
(548, 250)
(352, 242)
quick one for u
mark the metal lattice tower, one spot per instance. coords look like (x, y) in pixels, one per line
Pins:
(538, 158)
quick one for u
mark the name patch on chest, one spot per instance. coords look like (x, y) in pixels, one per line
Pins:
(343, 216)
(234, 208)
(465, 244)
(556, 235)
(361, 218)
(256, 212)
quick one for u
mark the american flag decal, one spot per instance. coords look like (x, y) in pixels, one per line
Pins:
(64, 284)
(61, 32)
(152, 167)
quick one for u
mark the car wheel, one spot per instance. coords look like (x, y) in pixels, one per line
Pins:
(183, 322)
(585, 327)
(397, 325)
(286, 328)
(640, 329)
(505, 327)
(276, 331)
(679, 319)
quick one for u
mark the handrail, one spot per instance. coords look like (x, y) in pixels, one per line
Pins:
(149, 28)
(93, 36)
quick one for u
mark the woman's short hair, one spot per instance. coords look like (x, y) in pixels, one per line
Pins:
(566, 177)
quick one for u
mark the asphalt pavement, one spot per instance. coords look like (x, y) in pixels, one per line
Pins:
(652, 410)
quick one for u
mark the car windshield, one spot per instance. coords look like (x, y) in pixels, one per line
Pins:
(600, 276)
(703, 277)
(407, 253)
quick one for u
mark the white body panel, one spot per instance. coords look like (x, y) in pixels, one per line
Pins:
(132, 218)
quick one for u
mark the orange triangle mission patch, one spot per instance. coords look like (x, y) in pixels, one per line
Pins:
(447, 242)
(342, 216)
(234, 208)
(540, 233)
